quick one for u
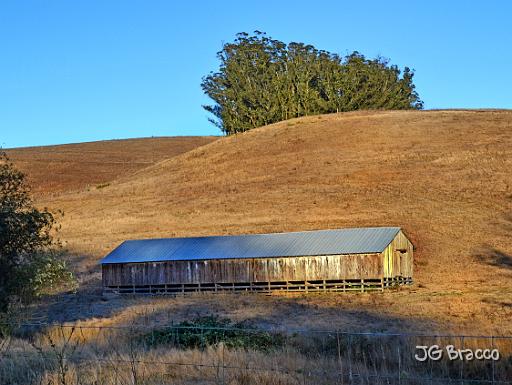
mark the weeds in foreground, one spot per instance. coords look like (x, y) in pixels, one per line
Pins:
(212, 350)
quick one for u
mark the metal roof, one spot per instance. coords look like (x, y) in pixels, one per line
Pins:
(320, 242)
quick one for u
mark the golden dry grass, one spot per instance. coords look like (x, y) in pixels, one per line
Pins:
(444, 176)
(136, 355)
(69, 167)
(116, 365)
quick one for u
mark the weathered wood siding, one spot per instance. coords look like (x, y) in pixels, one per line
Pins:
(307, 268)
(398, 257)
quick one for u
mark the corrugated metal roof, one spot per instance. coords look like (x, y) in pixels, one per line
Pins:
(321, 242)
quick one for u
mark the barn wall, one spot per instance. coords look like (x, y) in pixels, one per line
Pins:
(313, 268)
(398, 257)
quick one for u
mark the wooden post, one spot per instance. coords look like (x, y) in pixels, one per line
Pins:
(267, 275)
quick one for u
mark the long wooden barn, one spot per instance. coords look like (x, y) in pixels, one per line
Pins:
(311, 261)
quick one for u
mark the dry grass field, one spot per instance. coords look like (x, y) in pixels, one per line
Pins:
(137, 355)
(72, 167)
(444, 176)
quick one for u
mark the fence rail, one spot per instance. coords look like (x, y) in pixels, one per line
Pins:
(76, 354)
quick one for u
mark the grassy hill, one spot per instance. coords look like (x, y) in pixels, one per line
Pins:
(444, 176)
(71, 167)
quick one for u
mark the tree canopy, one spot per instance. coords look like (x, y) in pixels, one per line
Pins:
(28, 262)
(262, 80)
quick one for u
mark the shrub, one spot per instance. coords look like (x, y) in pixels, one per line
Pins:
(210, 331)
(29, 263)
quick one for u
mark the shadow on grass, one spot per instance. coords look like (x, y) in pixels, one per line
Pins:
(278, 313)
(252, 310)
(493, 257)
(84, 303)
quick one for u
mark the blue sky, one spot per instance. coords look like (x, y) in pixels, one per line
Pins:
(73, 71)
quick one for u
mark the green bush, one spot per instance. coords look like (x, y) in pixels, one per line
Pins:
(210, 331)
(48, 273)
(29, 262)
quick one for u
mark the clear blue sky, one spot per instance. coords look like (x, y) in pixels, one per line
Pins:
(73, 71)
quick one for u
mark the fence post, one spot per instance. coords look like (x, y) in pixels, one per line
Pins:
(339, 357)
(223, 365)
(462, 362)
(399, 363)
(431, 365)
(350, 358)
(492, 362)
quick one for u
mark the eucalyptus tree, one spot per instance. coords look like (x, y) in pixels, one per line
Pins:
(261, 80)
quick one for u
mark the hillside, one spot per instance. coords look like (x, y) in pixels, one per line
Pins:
(71, 167)
(444, 176)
